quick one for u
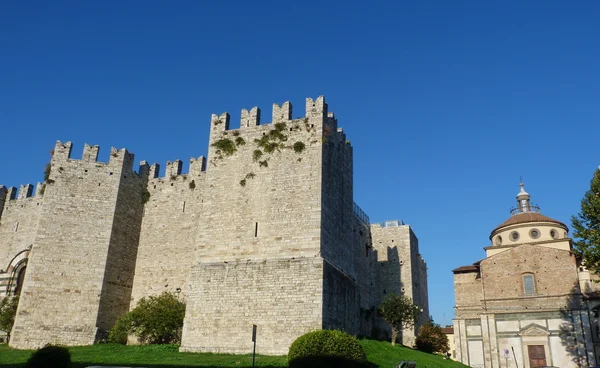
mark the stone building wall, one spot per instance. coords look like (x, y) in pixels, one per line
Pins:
(75, 245)
(503, 273)
(283, 297)
(493, 313)
(19, 215)
(172, 218)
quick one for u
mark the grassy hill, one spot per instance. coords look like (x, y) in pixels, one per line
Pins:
(380, 354)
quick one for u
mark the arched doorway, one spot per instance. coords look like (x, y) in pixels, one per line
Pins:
(19, 279)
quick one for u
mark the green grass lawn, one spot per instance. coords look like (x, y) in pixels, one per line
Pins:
(380, 354)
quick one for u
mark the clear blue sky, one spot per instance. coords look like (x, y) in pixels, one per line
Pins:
(446, 103)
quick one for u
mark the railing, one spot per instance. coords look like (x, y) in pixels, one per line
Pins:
(362, 216)
(523, 209)
(391, 223)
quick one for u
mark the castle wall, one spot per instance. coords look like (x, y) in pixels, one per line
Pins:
(18, 226)
(122, 252)
(398, 272)
(268, 207)
(281, 296)
(265, 232)
(172, 218)
(364, 261)
(66, 281)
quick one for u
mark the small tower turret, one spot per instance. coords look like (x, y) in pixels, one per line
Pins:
(523, 202)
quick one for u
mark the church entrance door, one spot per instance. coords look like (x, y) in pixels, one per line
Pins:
(537, 356)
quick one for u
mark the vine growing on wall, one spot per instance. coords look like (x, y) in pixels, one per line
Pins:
(224, 146)
(271, 142)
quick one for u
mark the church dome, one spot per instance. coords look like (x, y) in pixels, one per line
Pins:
(525, 217)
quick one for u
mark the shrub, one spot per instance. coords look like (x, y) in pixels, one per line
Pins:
(155, 320)
(431, 339)
(50, 356)
(8, 310)
(240, 141)
(257, 154)
(225, 145)
(118, 334)
(299, 147)
(326, 348)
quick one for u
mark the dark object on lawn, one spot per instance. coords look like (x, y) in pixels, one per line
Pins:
(409, 364)
(50, 356)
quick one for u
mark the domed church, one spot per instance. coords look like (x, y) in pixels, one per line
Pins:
(529, 302)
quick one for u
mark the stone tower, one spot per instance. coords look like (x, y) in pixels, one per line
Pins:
(274, 249)
(80, 273)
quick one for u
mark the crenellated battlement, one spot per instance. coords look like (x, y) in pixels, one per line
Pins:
(316, 114)
(25, 191)
(119, 158)
(282, 113)
(174, 169)
(250, 118)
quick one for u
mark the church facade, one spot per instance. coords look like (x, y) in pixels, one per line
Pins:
(529, 302)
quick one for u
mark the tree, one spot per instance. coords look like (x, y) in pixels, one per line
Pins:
(400, 312)
(586, 226)
(8, 310)
(155, 320)
(432, 339)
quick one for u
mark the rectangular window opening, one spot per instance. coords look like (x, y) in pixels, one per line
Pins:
(528, 284)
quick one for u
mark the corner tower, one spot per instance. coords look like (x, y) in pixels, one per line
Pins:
(80, 272)
(275, 247)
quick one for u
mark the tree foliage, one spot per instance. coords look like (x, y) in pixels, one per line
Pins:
(400, 312)
(155, 320)
(432, 339)
(8, 311)
(586, 226)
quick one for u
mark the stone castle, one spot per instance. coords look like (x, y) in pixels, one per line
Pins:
(263, 231)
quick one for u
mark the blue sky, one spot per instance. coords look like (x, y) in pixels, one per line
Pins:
(447, 103)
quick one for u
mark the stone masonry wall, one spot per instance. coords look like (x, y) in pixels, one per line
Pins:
(65, 279)
(502, 277)
(283, 297)
(364, 261)
(123, 249)
(18, 226)
(267, 206)
(257, 206)
(341, 289)
(398, 272)
(172, 218)
(468, 293)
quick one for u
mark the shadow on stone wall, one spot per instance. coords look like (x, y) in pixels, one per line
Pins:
(573, 328)
(389, 278)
